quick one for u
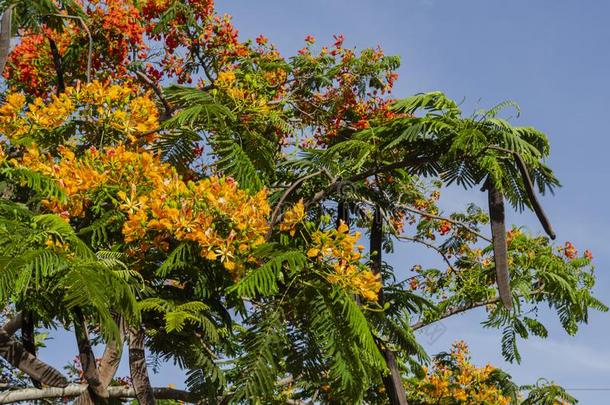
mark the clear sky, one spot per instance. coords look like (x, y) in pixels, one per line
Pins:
(550, 56)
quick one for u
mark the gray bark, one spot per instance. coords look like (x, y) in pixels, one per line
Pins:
(137, 367)
(392, 382)
(73, 390)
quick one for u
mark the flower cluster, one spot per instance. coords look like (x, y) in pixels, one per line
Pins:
(120, 28)
(92, 107)
(337, 248)
(292, 218)
(224, 221)
(30, 65)
(455, 380)
(117, 29)
(352, 96)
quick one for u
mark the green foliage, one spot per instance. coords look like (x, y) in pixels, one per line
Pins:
(546, 393)
(69, 273)
(264, 280)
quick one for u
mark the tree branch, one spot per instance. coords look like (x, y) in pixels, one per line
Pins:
(137, 367)
(393, 381)
(87, 357)
(433, 247)
(14, 324)
(14, 352)
(456, 310)
(288, 191)
(28, 332)
(337, 183)
(109, 364)
(169, 111)
(74, 390)
(451, 221)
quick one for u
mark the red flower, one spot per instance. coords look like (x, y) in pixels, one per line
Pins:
(570, 251)
(444, 227)
(339, 40)
(262, 40)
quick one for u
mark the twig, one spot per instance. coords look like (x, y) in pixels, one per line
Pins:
(288, 191)
(169, 111)
(452, 221)
(455, 311)
(433, 247)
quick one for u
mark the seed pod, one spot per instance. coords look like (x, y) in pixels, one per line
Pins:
(498, 232)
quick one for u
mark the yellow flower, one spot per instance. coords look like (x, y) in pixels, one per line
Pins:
(338, 249)
(101, 105)
(292, 218)
(225, 78)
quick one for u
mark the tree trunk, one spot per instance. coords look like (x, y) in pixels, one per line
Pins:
(28, 338)
(87, 358)
(392, 382)
(498, 232)
(137, 367)
(109, 365)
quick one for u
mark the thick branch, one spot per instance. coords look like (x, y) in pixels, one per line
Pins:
(87, 357)
(28, 332)
(14, 352)
(74, 390)
(137, 367)
(392, 381)
(109, 365)
(14, 324)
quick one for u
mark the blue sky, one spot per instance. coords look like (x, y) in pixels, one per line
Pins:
(549, 56)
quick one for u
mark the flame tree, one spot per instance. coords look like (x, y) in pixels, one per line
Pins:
(173, 189)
